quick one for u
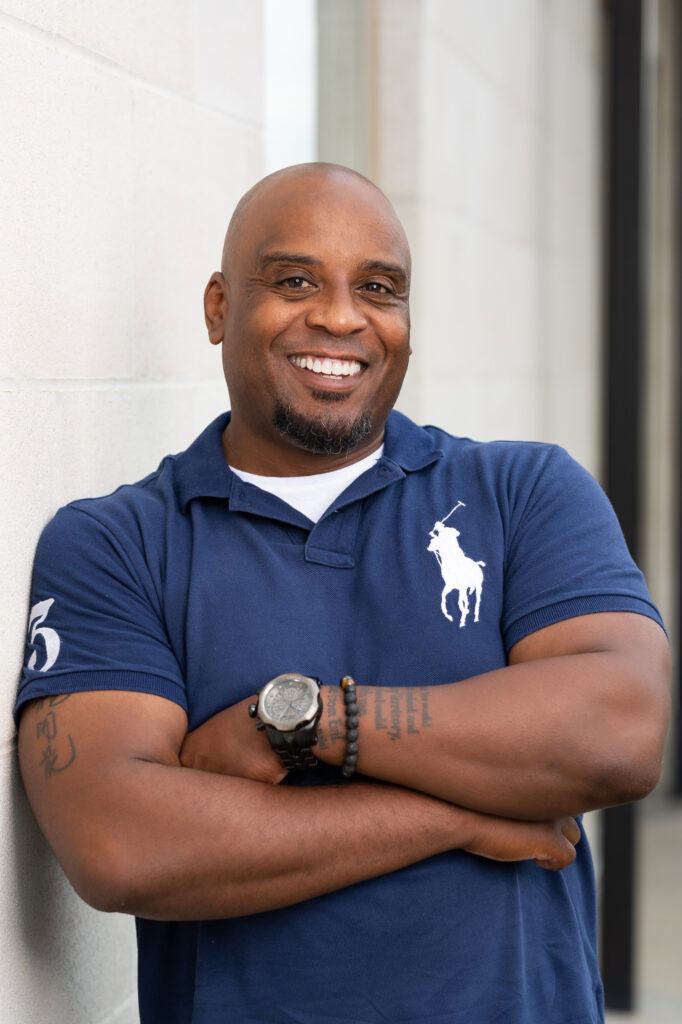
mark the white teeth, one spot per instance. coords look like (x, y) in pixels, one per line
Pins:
(329, 367)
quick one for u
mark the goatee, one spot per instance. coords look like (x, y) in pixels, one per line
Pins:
(322, 435)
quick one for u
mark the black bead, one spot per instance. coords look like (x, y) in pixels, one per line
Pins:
(347, 771)
(351, 759)
(351, 734)
(352, 748)
(353, 722)
(352, 709)
(350, 696)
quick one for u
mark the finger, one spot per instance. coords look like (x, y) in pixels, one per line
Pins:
(571, 855)
(563, 859)
(548, 865)
(571, 829)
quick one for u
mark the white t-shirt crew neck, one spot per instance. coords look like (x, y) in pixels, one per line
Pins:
(311, 495)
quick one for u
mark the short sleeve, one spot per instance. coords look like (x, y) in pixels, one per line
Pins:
(95, 620)
(566, 554)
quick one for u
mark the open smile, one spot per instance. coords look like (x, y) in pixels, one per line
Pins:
(326, 371)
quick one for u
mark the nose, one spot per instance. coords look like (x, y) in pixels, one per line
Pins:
(336, 311)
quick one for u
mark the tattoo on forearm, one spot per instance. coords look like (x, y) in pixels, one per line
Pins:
(405, 703)
(57, 756)
(336, 727)
(399, 711)
(380, 721)
(411, 710)
(394, 701)
(427, 721)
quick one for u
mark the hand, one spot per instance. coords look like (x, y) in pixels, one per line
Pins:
(551, 844)
(228, 743)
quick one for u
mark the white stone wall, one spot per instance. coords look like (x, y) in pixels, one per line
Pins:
(487, 121)
(129, 131)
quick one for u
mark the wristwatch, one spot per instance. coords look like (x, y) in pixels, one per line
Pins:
(289, 708)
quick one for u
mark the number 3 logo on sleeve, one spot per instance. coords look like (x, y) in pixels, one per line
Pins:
(50, 637)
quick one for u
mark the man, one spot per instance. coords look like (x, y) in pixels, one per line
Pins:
(309, 533)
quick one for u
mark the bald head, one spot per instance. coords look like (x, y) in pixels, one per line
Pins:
(293, 188)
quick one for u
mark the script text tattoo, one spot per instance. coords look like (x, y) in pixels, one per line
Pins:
(402, 710)
(336, 728)
(399, 711)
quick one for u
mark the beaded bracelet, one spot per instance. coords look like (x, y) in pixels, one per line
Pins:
(350, 697)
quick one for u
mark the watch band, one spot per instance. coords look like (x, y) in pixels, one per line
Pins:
(294, 757)
(297, 762)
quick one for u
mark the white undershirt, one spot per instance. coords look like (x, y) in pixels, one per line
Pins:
(311, 495)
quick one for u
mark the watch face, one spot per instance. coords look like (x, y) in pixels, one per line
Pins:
(287, 699)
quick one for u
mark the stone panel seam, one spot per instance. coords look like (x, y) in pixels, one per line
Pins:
(11, 385)
(126, 1003)
(20, 27)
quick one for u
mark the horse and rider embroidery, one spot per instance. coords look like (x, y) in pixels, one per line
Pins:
(459, 572)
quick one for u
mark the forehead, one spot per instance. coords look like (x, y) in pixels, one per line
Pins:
(338, 221)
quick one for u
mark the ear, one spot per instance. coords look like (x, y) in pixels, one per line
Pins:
(215, 307)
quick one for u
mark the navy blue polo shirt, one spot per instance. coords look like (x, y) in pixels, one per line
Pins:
(196, 586)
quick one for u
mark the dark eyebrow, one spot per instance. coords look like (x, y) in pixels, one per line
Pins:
(380, 267)
(287, 257)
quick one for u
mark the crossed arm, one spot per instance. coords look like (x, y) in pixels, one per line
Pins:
(577, 721)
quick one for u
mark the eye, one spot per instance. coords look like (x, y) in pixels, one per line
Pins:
(377, 288)
(296, 284)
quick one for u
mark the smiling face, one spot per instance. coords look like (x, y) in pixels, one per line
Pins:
(312, 310)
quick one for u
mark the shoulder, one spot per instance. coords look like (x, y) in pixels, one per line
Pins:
(149, 497)
(130, 516)
(520, 482)
(498, 452)
(519, 464)
(150, 503)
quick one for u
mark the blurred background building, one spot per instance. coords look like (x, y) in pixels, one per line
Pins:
(531, 148)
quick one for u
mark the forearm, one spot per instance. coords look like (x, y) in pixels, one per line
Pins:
(535, 740)
(136, 831)
(194, 845)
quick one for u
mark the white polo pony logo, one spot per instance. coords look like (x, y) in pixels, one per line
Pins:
(459, 572)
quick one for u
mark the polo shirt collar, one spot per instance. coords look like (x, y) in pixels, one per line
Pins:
(408, 445)
(201, 471)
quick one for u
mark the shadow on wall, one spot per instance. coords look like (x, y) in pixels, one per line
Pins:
(42, 892)
(50, 958)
